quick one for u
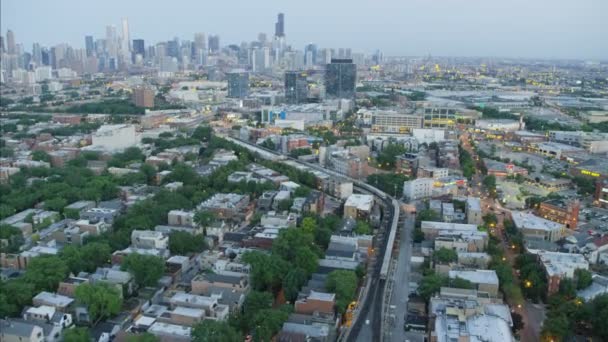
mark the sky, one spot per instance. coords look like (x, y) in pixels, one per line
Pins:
(563, 29)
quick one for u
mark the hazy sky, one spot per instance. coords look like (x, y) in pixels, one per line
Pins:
(511, 28)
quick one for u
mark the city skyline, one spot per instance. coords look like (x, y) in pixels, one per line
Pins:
(396, 28)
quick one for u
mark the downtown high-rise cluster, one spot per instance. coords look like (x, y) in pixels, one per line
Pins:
(119, 51)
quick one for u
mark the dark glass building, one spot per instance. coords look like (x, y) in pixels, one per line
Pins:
(89, 45)
(340, 78)
(296, 87)
(279, 26)
(139, 47)
(238, 84)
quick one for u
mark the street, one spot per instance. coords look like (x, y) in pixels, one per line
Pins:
(401, 280)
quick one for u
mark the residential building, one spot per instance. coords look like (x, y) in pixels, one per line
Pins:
(233, 281)
(149, 239)
(143, 97)
(468, 315)
(419, 188)
(473, 211)
(16, 331)
(484, 280)
(560, 211)
(316, 302)
(536, 227)
(358, 206)
(57, 301)
(433, 229)
(560, 266)
(228, 206)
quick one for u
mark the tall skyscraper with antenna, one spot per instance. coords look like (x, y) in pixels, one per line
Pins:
(279, 26)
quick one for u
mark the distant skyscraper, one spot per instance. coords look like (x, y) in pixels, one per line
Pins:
(214, 43)
(173, 48)
(139, 47)
(199, 47)
(340, 78)
(89, 45)
(37, 54)
(126, 39)
(238, 84)
(296, 87)
(111, 41)
(262, 38)
(2, 50)
(11, 46)
(310, 50)
(279, 27)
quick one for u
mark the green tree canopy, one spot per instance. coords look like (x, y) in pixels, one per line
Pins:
(78, 334)
(102, 300)
(184, 243)
(45, 272)
(215, 331)
(146, 269)
(445, 255)
(344, 285)
(363, 228)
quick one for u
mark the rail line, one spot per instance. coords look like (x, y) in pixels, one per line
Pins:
(379, 274)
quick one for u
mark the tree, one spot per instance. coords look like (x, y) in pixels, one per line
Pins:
(344, 285)
(202, 133)
(268, 144)
(145, 337)
(461, 283)
(215, 331)
(490, 219)
(78, 334)
(267, 271)
(445, 255)
(40, 155)
(309, 225)
(293, 281)
(426, 215)
(13, 236)
(555, 327)
(203, 218)
(102, 300)
(45, 272)
(55, 204)
(146, 269)
(257, 301)
(86, 258)
(285, 205)
(184, 243)
(363, 228)
(489, 182)
(583, 278)
(431, 284)
(268, 322)
(388, 156)
(14, 295)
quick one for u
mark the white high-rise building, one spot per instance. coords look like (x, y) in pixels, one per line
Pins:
(418, 188)
(126, 38)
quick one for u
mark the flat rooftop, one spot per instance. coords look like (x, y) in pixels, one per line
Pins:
(525, 220)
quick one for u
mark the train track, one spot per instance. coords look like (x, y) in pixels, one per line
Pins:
(374, 299)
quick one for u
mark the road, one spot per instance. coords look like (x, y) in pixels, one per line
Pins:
(401, 280)
(532, 315)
